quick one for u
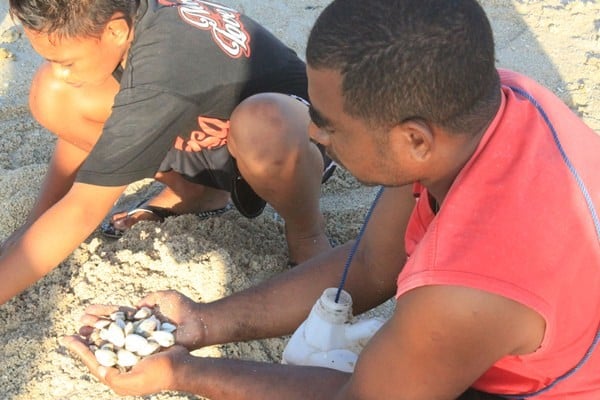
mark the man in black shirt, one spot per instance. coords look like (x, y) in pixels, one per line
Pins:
(191, 93)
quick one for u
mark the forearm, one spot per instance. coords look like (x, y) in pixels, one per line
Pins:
(381, 254)
(51, 238)
(275, 307)
(278, 306)
(39, 250)
(225, 379)
(59, 178)
(53, 189)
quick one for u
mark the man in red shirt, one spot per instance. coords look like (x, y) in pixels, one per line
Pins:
(487, 231)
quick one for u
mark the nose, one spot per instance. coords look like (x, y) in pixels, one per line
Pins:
(318, 135)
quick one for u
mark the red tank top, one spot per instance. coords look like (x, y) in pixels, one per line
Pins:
(515, 223)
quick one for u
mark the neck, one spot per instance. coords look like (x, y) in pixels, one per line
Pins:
(461, 148)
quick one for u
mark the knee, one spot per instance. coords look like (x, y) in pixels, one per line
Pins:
(48, 98)
(42, 94)
(268, 122)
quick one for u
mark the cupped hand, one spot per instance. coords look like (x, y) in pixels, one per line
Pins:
(169, 306)
(151, 375)
(183, 312)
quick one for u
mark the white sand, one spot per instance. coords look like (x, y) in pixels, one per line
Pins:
(556, 42)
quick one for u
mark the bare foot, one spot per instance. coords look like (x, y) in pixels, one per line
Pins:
(167, 203)
(126, 219)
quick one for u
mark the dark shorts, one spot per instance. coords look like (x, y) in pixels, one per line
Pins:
(216, 168)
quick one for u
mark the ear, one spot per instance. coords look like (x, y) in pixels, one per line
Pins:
(418, 138)
(117, 31)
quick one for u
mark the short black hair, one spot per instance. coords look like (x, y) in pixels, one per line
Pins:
(71, 18)
(410, 59)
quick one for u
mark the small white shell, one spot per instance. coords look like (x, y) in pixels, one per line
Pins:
(165, 339)
(147, 326)
(167, 327)
(102, 323)
(120, 323)
(128, 328)
(125, 358)
(135, 342)
(105, 357)
(107, 346)
(103, 334)
(115, 335)
(142, 313)
(117, 315)
(96, 337)
(150, 347)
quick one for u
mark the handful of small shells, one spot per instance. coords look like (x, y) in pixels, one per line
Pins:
(123, 338)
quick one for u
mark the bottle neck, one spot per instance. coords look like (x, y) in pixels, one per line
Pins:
(327, 308)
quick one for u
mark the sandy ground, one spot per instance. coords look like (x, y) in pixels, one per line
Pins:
(556, 42)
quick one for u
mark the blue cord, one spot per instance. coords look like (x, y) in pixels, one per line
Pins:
(355, 245)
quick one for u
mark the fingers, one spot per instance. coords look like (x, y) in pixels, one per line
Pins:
(95, 312)
(108, 376)
(77, 346)
(101, 309)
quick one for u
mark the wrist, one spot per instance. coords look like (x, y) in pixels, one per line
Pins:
(184, 373)
(200, 327)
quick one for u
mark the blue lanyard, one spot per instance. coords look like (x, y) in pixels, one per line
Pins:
(356, 243)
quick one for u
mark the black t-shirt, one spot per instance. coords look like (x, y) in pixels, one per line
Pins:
(189, 59)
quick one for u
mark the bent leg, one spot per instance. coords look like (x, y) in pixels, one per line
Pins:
(76, 116)
(269, 140)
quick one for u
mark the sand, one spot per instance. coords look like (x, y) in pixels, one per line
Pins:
(556, 42)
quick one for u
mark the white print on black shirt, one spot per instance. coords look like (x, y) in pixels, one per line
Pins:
(223, 22)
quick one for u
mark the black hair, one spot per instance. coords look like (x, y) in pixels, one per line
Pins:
(410, 59)
(71, 18)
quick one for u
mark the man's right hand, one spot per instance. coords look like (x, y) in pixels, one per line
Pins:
(183, 312)
(169, 306)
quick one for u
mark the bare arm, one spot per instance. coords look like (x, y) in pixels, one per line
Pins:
(438, 342)
(64, 164)
(40, 249)
(76, 117)
(278, 306)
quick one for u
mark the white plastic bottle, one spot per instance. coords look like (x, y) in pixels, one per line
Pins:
(328, 338)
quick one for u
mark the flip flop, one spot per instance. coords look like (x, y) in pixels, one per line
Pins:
(109, 230)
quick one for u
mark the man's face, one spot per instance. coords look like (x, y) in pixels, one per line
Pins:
(78, 61)
(366, 153)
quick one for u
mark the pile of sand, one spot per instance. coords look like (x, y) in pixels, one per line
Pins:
(556, 42)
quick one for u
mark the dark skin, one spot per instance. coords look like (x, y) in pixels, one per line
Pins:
(437, 342)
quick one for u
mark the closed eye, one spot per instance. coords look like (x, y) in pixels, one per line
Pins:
(317, 118)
